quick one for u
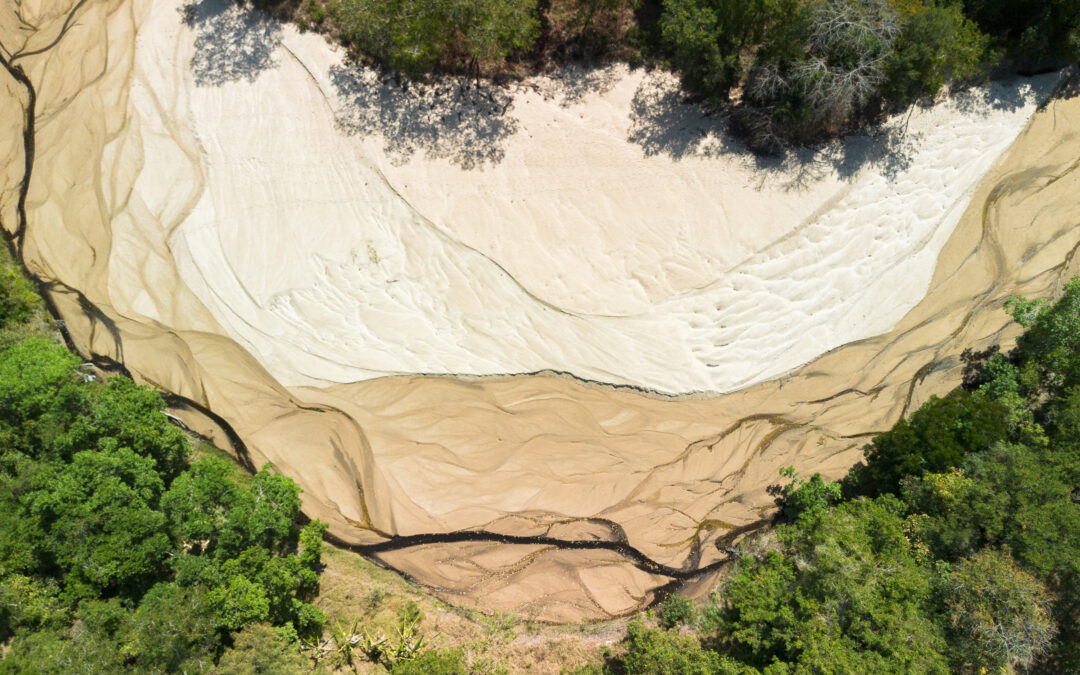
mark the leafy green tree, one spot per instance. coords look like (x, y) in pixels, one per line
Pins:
(94, 647)
(707, 40)
(126, 414)
(242, 545)
(18, 301)
(114, 554)
(174, 630)
(1049, 350)
(259, 649)
(937, 44)
(40, 392)
(933, 439)
(99, 514)
(807, 499)
(857, 599)
(198, 503)
(1016, 498)
(265, 516)
(27, 604)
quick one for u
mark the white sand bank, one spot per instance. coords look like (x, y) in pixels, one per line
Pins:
(348, 232)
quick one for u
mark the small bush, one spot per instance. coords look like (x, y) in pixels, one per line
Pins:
(17, 298)
(677, 610)
(654, 652)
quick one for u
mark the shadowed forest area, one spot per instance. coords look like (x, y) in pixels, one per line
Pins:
(782, 71)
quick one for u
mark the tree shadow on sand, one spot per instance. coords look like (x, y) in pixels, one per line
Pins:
(665, 122)
(451, 118)
(572, 83)
(232, 42)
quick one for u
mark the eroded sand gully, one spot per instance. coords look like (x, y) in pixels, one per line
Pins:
(128, 184)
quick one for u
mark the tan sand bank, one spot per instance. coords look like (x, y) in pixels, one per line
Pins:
(235, 217)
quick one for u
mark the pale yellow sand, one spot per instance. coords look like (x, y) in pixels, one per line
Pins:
(196, 234)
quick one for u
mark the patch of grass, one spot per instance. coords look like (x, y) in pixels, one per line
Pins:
(203, 450)
(354, 590)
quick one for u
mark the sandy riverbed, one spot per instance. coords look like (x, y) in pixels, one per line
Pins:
(264, 230)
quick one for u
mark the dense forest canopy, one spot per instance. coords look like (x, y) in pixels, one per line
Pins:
(787, 70)
(116, 550)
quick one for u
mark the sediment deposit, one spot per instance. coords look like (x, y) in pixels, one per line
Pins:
(350, 277)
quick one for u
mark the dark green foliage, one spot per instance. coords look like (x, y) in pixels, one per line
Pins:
(677, 610)
(937, 44)
(707, 39)
(416, 36)
(590, 28)
(807, 499)
(172, 631)
(933, 439)
(1039, 32)
(859, 597)
(1048, 353)
(240, 541)
(39, 392)
(28, 604)
(124, 414)
(1007, 496)
(99, 517)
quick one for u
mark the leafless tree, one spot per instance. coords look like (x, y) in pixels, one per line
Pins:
(848, 48)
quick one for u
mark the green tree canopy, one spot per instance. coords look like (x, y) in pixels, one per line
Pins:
(416, 36)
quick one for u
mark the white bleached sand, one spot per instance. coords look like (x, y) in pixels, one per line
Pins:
(341, 237)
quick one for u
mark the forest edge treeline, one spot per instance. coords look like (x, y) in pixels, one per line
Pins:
(783, 71)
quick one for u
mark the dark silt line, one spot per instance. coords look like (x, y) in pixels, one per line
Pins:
(633, 555)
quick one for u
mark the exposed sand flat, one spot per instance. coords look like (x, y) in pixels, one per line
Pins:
(148, 140)
(538, 237)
